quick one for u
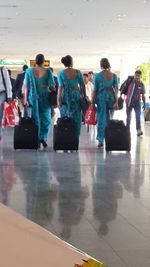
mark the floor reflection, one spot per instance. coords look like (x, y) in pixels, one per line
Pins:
(134, 174)
(40, 192)
(107, 189)
(94, 200)
(7, 179)
(71, 197)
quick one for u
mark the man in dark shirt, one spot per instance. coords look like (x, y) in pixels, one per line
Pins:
(19, 82)
(133, 100)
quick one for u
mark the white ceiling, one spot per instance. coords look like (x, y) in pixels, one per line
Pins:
(86, 29)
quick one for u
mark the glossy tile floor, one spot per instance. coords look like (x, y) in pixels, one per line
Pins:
(97, 201)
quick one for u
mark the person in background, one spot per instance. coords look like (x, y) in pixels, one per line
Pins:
(88, 85)
(5, 93)
(12, 83)
(105, 95)
(133, 100)
(91, 76)
(85, 79)
(37, 82)
(71, 85)
(19, 82)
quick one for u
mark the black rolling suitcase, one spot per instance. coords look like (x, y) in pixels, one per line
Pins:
(26, 134)
(117, 136)
(64, 135)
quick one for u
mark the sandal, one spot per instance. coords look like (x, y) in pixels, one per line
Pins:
(44, 143)
(100, 144)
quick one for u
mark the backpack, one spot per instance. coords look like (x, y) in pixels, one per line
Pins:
(124, 87)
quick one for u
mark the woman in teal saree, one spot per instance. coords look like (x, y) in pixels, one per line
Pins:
(36, 83)
(105, 96)
(71, 87)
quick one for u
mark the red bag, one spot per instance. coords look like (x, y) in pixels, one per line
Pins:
(10, 114)
(90, 116)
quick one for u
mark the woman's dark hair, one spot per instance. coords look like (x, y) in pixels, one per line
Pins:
(67, 61)
(104, 63)
(39, 60)
(25, 67)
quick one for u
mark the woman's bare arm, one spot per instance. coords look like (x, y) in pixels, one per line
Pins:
(59, 102)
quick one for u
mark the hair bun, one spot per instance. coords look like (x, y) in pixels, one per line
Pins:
(105, 63)
(63, 60)
(67, 61)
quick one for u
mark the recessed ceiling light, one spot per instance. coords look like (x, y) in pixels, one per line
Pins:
(146, 1)
(121, 16)
(88, 1)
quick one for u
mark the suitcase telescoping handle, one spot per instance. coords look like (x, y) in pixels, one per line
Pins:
(27, 112)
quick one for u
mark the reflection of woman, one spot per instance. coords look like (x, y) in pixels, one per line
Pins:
(105, 96)
(69, 92)
(37, 82)
(71, 205)
(106, 191)
(40, 193)
(71, 197)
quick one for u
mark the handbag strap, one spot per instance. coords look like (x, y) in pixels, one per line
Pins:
(4, 83)
(52, 89)
(114, 77)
